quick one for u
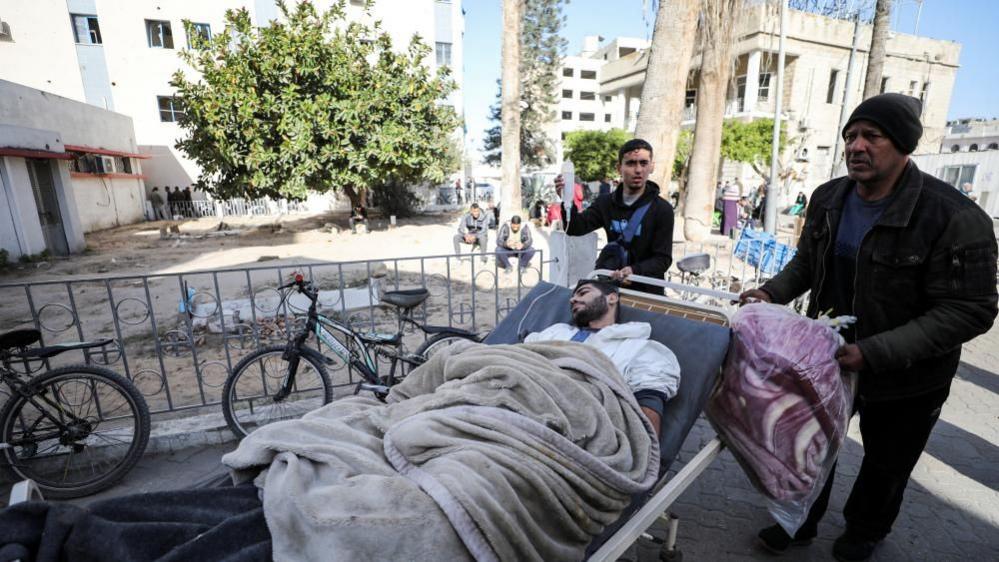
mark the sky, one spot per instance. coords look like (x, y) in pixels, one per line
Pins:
(973, 23)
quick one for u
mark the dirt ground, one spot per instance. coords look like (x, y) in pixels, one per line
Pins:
(139, 249)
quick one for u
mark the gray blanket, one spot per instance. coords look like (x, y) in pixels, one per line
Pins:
(507, 452)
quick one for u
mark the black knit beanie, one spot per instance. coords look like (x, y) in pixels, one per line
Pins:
(896, 114)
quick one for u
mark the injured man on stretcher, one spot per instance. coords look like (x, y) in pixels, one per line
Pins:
(485, 452)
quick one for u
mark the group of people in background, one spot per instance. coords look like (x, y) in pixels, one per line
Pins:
(513, 238)
(172, 204)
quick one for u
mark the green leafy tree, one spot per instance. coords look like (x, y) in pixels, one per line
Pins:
(594, 153)
(312, 102)
(750, 142)
(541, 50)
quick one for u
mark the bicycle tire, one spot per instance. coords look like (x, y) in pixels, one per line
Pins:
(97, 382)
(440, 341)
(241, 422)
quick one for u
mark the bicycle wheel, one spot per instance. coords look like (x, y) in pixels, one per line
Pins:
(250, 397)
(79, 431)
(442, 341)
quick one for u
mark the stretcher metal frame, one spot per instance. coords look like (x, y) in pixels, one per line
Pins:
(667, 489)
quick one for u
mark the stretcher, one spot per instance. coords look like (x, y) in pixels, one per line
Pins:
(698, 335)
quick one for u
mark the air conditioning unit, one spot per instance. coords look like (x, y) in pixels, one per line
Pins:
(104, 164)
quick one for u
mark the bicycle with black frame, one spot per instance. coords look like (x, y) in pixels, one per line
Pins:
(282, 382)
(73, 430)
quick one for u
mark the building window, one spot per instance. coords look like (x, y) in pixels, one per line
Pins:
(159, 34)
(587, 117)
(588, 74)
(587, 96)
(955, 148)
(831, 90)
(567, 72)
(884, 85)
(563, 135)
(85, 29)
(923, 94)
(170, 110)
(973, 147)
(913, 86)
(567, 115)
(567, 94)
(958, 175)
(443, 54)
(607, 117)
(690, 98)
(607, 98)
(993, 146)
(200, 33)
(740, 92)
(763, 93)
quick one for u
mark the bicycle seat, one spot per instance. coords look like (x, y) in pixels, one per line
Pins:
(407, 298)
(19, 338)
(694, 263)
(53, 350)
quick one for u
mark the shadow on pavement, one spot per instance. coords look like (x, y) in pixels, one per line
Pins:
(966, 453)
(980, 377)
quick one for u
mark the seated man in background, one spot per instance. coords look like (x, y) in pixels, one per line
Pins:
(358, 215)
(514, 240)
(473, 229)
(649, 367)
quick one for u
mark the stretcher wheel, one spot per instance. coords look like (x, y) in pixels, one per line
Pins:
(675, 555)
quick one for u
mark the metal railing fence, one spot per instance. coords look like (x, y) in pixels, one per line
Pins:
(177, 336)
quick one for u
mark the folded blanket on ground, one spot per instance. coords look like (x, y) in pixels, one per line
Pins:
(521, 452)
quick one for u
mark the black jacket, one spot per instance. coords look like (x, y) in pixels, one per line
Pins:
(925, 281)
(652, 248)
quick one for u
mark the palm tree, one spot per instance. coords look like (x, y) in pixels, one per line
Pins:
(510, 202)
(879, 38)
(661, 109)
(717, 21)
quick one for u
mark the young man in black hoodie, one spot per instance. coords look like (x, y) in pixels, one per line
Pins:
(650, 251)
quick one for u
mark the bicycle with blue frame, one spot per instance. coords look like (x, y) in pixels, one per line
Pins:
(282, 382)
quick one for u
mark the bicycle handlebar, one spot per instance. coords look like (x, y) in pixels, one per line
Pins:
(304, 287)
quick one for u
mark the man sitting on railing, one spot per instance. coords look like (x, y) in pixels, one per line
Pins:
(514, 240)
(649, 367)
(473, 229)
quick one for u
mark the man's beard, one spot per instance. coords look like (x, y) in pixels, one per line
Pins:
(592, 311)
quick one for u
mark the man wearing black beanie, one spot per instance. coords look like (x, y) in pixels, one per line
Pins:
(915, 261)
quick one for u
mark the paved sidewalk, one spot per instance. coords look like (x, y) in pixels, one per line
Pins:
(951, 510)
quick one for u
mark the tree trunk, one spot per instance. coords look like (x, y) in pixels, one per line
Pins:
(712, 85)
(879, 39)
(510, 203)
(661, 108)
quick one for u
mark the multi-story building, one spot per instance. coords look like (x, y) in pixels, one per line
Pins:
(971, 135)
(815, 77)
(121, 55)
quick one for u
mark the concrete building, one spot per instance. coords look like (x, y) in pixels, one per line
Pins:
(66, 168)
(121, 55)
(980, 169)
(815, 97)
(971, 135)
